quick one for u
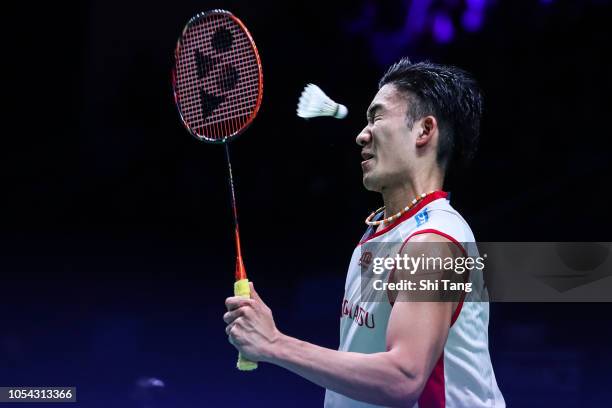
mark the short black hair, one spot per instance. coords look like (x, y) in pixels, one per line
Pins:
(448, 93)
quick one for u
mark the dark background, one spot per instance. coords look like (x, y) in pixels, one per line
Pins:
(116, 240)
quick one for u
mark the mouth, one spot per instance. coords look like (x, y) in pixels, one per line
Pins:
(367, 157)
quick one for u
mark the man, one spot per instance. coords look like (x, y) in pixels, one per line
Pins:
(399, 353)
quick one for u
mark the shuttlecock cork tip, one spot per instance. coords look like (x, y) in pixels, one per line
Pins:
(341, 112)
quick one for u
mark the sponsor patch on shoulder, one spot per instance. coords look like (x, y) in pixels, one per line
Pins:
(422, 217)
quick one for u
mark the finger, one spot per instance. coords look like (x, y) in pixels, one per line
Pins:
(235, 302)
(254, 294)
(231, 339)
(228, 329)
(235, 323)
(229, 316)
(232, 315)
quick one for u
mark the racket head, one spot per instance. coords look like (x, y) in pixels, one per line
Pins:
(217, 78)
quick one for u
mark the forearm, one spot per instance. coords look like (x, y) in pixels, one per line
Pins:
(373, 378)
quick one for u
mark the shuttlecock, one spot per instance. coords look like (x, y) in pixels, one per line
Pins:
(313, 103)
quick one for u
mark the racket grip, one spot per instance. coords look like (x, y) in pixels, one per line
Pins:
(242, 289)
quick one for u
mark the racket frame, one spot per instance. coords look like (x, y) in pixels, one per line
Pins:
(179, 43)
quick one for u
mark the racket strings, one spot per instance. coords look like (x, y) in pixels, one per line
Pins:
(218, 78)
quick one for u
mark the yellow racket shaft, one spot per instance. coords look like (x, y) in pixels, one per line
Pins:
(242, 289)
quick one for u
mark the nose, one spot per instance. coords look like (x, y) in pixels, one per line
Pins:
(364, 137)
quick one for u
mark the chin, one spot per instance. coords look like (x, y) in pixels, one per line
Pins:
(370, 183)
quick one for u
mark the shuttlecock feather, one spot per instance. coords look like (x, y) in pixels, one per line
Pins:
(313, 103)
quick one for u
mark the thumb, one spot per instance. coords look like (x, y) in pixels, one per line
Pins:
(254, 294)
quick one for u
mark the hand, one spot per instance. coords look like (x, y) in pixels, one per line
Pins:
(250, 326)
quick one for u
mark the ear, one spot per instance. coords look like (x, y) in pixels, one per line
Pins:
(426, 127)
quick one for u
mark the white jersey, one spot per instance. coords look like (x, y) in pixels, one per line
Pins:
(463, 375)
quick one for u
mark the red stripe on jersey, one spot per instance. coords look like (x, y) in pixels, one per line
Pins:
(434, 393)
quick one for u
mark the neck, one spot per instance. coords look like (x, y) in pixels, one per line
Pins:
(397, 198)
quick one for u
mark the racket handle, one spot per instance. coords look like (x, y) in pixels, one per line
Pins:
(242, 289)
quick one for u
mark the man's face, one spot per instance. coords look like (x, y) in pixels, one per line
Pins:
(387, 142)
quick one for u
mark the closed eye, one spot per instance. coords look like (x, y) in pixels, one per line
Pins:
(374, 112)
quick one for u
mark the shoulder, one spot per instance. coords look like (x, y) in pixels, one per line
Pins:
(441, 219)
(426, 236)
(430, 243)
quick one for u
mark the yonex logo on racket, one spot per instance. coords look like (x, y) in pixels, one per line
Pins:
(226, 80)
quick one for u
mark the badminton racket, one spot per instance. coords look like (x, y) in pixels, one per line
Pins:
(218, 86)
